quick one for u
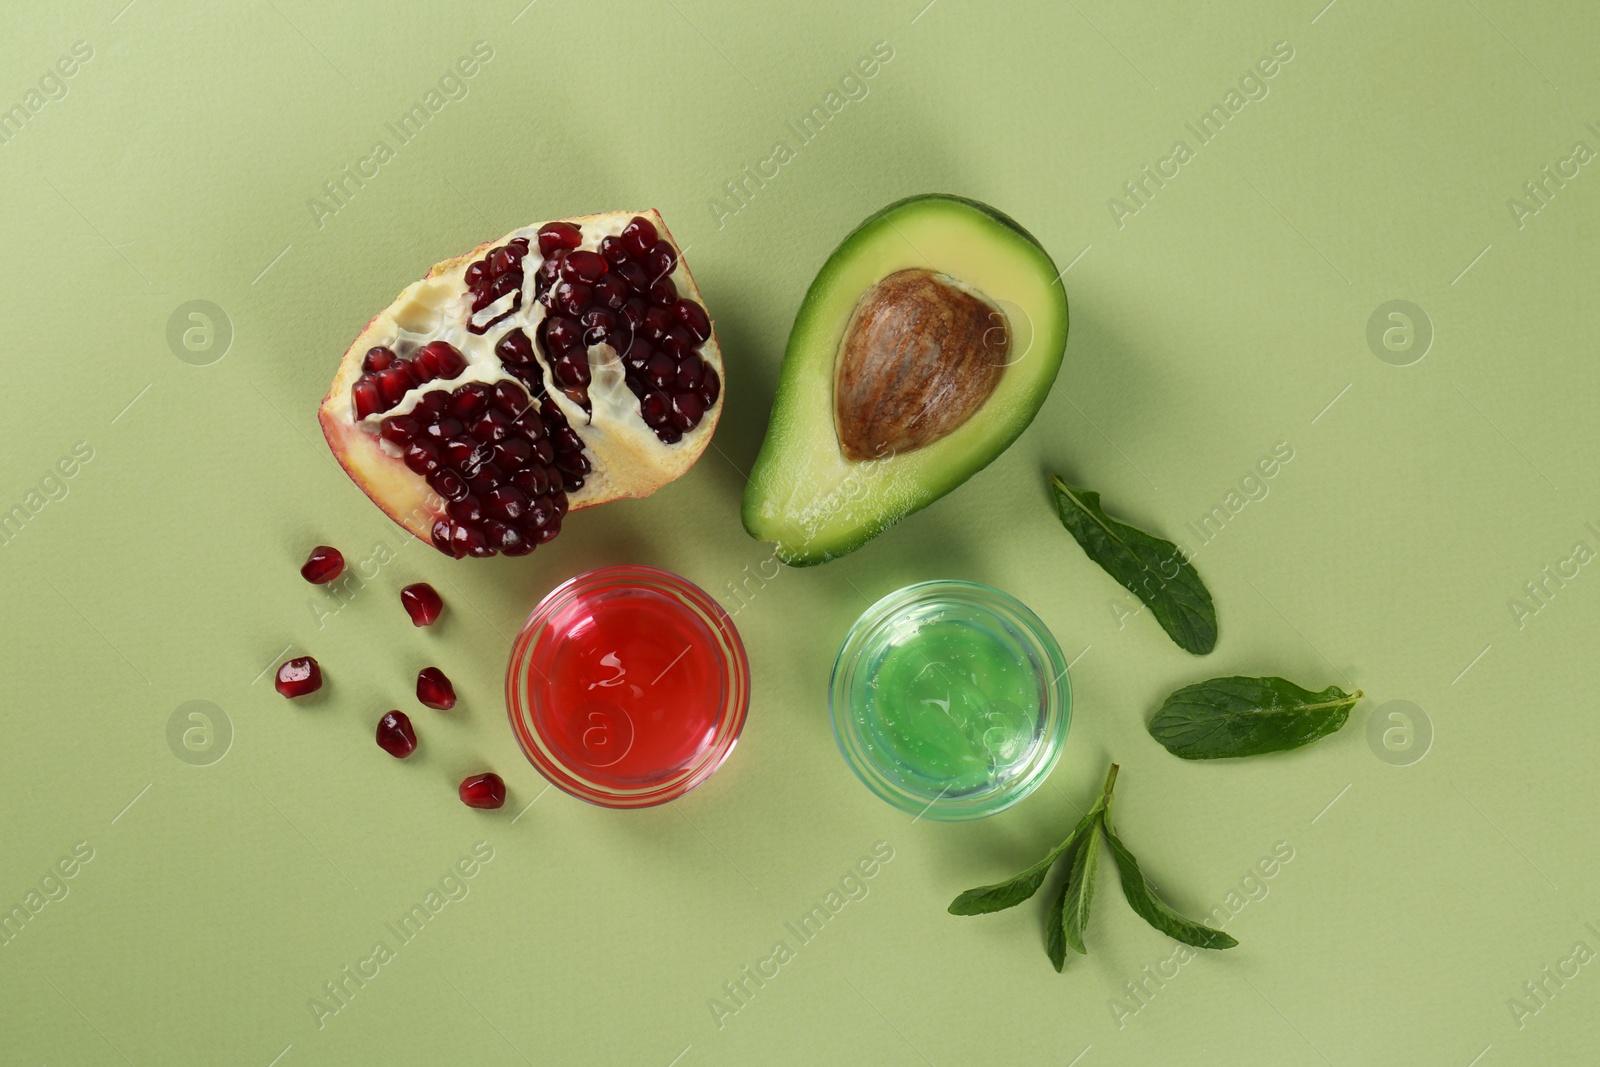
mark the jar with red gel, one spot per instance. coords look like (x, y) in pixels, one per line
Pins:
(628, 686)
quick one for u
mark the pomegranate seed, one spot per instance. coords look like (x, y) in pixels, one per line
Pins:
(572, 297)
(378, 357)
(639, 236)
(366, 398)
(661, 371)
(661, 260)
(469, 400)
(441, 359)
(710, 387)
(422, 457)
(614, 250)
(395, 735)
(299, 677)
(558, 236)
(394, 382)
(687, 410)
(323, 565)
(422, 601)
(663, 293)
(401, 429)
(562, 332)
(435, 690)
(693, 317)
(515, 348)
(584, 266)
(636, 277)
(487, 791)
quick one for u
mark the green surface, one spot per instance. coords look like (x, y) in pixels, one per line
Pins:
(804, 493)
(1223, 325)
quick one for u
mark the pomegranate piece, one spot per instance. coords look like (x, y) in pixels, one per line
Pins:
(299, 677)
(323, 565)
(395, 735)
(420, 599)
(572, 358)
(485, 791)
(434, 689)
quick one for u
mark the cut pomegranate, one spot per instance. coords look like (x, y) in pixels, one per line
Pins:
(420, 599)
(323, 565)
(486, 791)
(299, 677)
(395, 735)
(435, 690)
(569, 364)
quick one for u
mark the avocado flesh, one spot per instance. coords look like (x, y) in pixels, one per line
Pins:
(804, 493)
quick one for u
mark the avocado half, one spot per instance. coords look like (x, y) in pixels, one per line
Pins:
(926, 344)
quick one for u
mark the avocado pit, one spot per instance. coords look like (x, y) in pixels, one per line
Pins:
(919, 357)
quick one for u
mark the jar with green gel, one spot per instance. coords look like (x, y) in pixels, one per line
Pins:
(950, 700)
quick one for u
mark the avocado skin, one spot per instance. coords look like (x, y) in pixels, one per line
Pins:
(848, 540)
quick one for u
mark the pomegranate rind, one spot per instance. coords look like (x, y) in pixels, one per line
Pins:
(627, 458)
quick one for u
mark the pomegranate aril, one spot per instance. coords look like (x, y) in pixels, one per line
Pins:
(635, 309)
(663, 293)
(562, 332)
(558, 503)
(655, 409)
(394, 383)
(572, 297)
(693, 317)
(689, 372)
(510, 400)
(584, 266)
(378, 357)
(468, 400)
(657, 321)
(504, 538)
(441, 359)
(544, 452)
(506, 502)
(613, 250)
(448, 484)
(530, 424)
(491, 426)
(572, 370)
(558, 236)
(515, 348)
(639, 236)
(687, 410)
(434, 689)
(401, 429)
(298, 677)
(458, 451)
(710, 387)
(431, 404)
(477, 274)
(661, 371)
(669, 433)
(420, 599)
(550, 530)
(502, 259)
(487, 791)
(395, 735)
(323, 565)
(445, 428)
(422, 457)
(366, 398)
(440, 536)
(469, 509)
(512, 453)
(531, 480)
(636, 277)
(678, 342)
(661, 261)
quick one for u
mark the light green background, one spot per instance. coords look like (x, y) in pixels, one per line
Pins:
(1223, 318)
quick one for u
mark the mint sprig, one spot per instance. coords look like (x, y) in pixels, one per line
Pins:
(1069, 912)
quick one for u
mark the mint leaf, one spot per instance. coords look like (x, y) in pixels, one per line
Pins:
(1149, 907)
(1228, 717)
(1014, 890)
(1055, 936)
(1151, 569)
(1079, 891)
